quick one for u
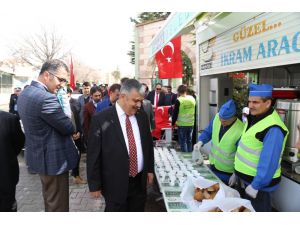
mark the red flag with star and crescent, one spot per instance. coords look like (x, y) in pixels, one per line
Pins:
(169, 60)
(72, 76)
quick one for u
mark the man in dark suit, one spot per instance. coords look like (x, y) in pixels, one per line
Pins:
(50, 150)
(156, 97)
(13, 107)
(82, 100)
(11, 143)
(120, 159)
(75, 109)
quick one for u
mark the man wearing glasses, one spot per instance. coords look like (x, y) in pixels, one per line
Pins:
(50, 151)
(156, 97)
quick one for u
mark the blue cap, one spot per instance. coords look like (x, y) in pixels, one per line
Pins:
(227, 110)
(262, 90)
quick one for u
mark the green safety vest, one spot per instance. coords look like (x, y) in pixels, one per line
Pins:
(249, 149)
(223, 151)
(186, 115)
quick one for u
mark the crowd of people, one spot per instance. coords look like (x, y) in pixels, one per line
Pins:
(113, 126)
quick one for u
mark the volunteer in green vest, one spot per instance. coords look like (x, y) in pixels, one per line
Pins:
(224, 131)
(258, 157)
(184, 117)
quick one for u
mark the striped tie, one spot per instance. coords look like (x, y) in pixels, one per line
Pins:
(133, 168)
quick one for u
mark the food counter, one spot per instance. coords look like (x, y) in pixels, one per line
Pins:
(170, 183)
(286, 198)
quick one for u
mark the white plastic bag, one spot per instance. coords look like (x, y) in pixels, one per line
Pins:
(226, 205)
(188, 191)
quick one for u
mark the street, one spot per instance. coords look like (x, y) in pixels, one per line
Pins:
(29, 193)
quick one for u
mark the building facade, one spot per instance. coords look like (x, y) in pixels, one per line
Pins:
(145, 67)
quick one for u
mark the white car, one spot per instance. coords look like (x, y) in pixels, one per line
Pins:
(75, 96)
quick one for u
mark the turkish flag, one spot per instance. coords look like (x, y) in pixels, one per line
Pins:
(161, 120)
(72, 77)
(169, 60)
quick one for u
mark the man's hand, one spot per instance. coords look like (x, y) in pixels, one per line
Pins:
(197, 157)
(150, 177)
(96, 194)
(232, 180)
(251, 191)
(198, 146)
(76, 136)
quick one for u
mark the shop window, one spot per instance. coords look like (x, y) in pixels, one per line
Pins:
(6, 82)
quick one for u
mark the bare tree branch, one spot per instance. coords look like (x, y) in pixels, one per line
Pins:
(40, 47)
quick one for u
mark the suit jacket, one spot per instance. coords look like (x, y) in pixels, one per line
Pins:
(147, 107)
(89, 110)
(11, 143)
(107, 155)
(75, 108)
(50, 149)
(161, 99)
(81, 104)
(12, 102)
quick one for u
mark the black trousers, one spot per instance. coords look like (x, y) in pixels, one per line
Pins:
(79, 145)
(136, 198)
(8, 202)
(262, 202)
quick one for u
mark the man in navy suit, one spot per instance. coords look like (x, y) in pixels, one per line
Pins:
(113, 96)
(50, 150)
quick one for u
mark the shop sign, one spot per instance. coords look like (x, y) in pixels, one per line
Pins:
(271, 39)
(237, 75)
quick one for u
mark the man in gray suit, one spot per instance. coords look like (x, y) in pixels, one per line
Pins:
(50, 149)
(82, 100)
(147, 107)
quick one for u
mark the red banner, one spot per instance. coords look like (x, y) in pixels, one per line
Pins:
(169, 61)
(72, 77)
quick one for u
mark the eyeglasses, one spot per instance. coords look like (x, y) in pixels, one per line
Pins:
(158, 89)
(61, 80)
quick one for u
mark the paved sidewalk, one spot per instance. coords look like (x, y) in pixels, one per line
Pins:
(29, 195)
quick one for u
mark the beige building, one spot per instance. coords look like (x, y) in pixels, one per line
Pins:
(145, 67)
(14, 76)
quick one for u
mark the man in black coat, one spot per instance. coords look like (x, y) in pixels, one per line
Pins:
(75, 109)
(120, 159)
(11, 143)
(156, 97)
(13, 101)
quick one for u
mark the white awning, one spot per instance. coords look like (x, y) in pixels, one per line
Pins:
(173, 26)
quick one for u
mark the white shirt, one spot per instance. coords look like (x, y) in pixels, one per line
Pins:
(95, 104)
(41, 84)
(136, 134)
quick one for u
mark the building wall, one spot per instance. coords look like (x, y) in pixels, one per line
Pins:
(144, 66)
(6, 84)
